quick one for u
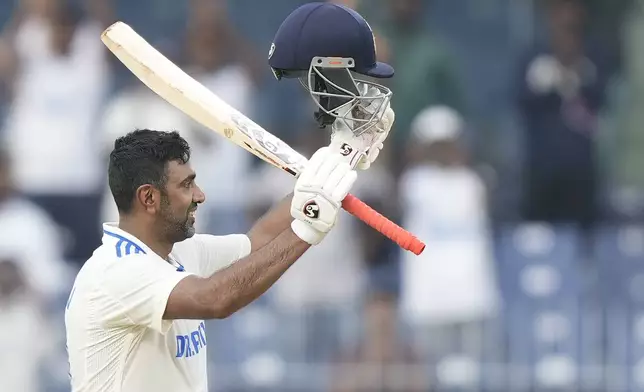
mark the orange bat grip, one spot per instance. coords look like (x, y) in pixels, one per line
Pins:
(389, 229)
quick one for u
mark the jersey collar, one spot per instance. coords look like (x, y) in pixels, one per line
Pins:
(124, 242)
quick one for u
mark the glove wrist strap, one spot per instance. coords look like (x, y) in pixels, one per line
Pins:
(351, 153)
(306, 232)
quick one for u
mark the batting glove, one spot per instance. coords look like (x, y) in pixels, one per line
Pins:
(318, 195)
(365, 147)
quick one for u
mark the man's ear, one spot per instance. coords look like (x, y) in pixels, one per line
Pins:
(148, 197)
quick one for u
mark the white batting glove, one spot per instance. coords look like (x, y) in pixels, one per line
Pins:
(318, 194)
(365, 147)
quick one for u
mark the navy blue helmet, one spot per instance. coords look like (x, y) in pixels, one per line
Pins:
(323, 44)
(325, 30)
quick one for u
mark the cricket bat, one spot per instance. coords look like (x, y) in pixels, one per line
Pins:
(195, 100)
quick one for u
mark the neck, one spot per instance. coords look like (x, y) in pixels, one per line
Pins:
(147, 235)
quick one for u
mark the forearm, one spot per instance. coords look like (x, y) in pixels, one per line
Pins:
(271, 224)
(234, 287)
(251, 277)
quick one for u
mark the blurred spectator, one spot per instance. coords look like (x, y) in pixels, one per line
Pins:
(31, 239)
(425, 71)
(61, 79)
(382, 360)
(232, 46)
(451, 285)
(25, 337)
(214, 60)
(561, 89)
(622, 139)
(319, 294)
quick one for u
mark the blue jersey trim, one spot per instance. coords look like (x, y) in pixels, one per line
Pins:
(124, 246)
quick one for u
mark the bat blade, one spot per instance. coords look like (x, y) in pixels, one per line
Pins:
(182, 91)
(179, 89)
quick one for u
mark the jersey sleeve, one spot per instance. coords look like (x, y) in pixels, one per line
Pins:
(217, 252)
(136, 292)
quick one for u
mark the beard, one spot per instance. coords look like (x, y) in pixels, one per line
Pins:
(176, 228)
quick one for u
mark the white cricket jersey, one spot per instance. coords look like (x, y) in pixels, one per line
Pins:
(116, 337)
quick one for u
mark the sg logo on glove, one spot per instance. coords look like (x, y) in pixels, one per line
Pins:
(312, 210)
(345, 149)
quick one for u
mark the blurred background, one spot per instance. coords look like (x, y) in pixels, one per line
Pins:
(517, 156)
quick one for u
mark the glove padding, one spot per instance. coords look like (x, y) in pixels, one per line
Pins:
(369, 143)
(318, 194)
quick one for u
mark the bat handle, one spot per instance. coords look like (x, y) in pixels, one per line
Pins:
(389, 229)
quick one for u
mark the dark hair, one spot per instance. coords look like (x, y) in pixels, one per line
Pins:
(141, 157)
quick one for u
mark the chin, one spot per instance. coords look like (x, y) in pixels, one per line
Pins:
(183, 234)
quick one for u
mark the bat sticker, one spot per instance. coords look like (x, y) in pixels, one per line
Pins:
(271, 160)
(266, 140)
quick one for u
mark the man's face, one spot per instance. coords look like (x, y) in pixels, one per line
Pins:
(179, 202)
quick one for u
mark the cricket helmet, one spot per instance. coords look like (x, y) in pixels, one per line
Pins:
(324, 45)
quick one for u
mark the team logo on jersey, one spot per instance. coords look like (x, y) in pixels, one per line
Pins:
(191, 344)
(312, 210)
(271, 51)
(345, 149)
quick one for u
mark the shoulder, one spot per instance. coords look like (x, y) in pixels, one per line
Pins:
(206, 253)
(120, 246)
(107, 275)
(110, 258)
(203, 242)
(189, 246)
(121, 259)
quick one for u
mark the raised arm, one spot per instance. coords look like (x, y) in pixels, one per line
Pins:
(236, 286)
(315, 203)
(271, 224)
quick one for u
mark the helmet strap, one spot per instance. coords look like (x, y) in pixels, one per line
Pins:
(322, 117)
(335, 82)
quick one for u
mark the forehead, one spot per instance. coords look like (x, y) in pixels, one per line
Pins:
(178, 171)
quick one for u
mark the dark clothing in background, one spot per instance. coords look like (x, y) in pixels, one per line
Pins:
(560, 168)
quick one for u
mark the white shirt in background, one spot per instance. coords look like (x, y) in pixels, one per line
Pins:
(50, 128)
(452, 280)
(116, 337)
(223, 167)
(29, 237)
(26, 339)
